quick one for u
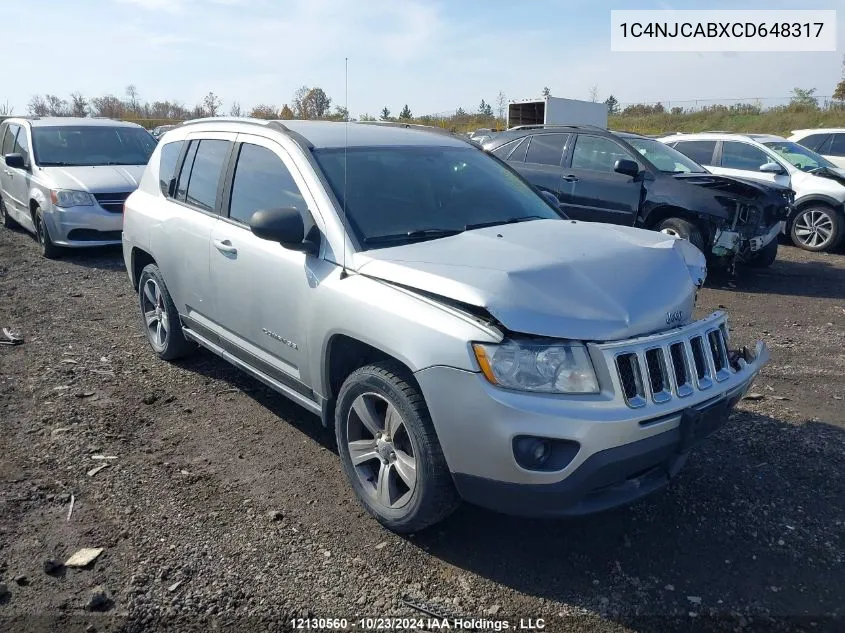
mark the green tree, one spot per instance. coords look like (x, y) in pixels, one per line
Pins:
(385, 114)
(485, 109)
(804, 97)
(546, 91)
(612, 105)
(406, 113)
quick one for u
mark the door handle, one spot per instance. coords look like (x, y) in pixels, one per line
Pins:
(571, 178)
(225, 246)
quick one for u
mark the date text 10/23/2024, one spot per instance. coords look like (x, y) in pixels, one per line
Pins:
(416, 624)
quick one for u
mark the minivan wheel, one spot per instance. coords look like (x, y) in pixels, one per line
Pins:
(679, 227)
(159, 316)
(48, 249)
(816, 228)
(8, 222)
(390, 451)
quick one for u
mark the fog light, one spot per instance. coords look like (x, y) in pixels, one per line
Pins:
(543, 453)
(531, 452)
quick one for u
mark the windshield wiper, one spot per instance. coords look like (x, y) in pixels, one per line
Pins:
(418, 234)
(56, 163)
(481, 225)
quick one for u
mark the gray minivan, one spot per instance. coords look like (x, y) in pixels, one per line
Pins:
(65, 179)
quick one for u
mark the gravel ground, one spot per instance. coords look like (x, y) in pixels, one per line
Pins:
(226, 507)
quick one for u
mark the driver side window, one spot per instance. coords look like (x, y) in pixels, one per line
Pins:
(597, 153)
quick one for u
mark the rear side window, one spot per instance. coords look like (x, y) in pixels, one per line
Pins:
(167, 164)
(206, 172)
(261, 182)
(814, 141)
(736, 155)
(9, 139)
(518, 155)
(700, 151)
(546, 149)
(597, 153)
(503, 151)
(837, 146)
(185, 174)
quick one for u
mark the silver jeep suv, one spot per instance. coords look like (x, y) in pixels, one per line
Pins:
(461, 337)
(66, 179)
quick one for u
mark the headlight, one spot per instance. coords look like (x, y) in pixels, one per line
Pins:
(541, 366)
(69, 198)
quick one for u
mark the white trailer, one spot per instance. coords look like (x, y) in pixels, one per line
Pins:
(556, 111)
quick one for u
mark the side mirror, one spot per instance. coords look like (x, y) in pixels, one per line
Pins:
(285, 226)
(627, 167)
(771, 168)
(551, 198)
(15, 161)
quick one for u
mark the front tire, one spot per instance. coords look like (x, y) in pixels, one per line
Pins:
(390, 451)
(48, 249)
(7, 220)
(816, 228)
(159, 316)
(678, 227)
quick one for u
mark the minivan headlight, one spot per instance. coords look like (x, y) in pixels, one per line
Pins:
(538, 366)
(70, 198)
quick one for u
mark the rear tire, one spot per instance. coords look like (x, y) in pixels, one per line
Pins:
(679, 227)
(399, 474)
(816, 228)
(48, 249)
(159, 316)
(765, 257)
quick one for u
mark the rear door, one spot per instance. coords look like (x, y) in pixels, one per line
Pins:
(7, 145)
(598, 193)
(183, 239)
(541, 161)
(260, 288)
(19, 179)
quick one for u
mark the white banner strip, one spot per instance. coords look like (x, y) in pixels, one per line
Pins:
(720, 31)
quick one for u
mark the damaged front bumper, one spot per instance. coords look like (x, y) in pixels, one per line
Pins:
(615, 446)
(731, 243)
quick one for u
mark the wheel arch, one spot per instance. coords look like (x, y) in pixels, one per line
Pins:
(342, 355)
(663, 212)
(139, 259)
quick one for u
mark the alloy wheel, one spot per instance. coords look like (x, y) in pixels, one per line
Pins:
(155, 313)
(670, 231)
(382, 451)
(814, 228)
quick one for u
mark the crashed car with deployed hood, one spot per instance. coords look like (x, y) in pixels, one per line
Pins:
(634, 180)
(463, 339)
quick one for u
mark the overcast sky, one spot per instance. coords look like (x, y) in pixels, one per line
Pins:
(433, 55)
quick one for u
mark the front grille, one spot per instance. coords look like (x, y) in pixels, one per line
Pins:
(676, 365)
(112, 202)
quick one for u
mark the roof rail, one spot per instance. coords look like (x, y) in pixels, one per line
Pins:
(419, 126)
(534, 126)
(273, 124)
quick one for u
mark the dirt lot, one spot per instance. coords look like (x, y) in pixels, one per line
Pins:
(750, 537)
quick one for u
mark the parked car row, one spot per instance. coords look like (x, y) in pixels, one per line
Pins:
(621, 178)
(464, 337)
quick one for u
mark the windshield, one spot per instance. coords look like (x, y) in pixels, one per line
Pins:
(665, 158)
(403, 194)
(799, 156)
(86, 145)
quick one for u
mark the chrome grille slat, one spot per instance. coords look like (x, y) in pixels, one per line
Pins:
(676, 364)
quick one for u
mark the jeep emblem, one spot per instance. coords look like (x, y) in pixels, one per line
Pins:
(674, 317)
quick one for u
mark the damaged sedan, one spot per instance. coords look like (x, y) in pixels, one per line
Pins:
(633, 180)
(461, 336)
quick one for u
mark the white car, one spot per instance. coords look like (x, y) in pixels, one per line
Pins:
(829, 142)
(818, 222)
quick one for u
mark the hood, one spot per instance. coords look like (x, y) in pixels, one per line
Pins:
(738, 187)
(837, 174)
(563, 279)
(96, 179)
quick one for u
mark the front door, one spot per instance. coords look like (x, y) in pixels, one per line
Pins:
(541, 165)
(260, 287)
(744, 160)
(599, 194)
